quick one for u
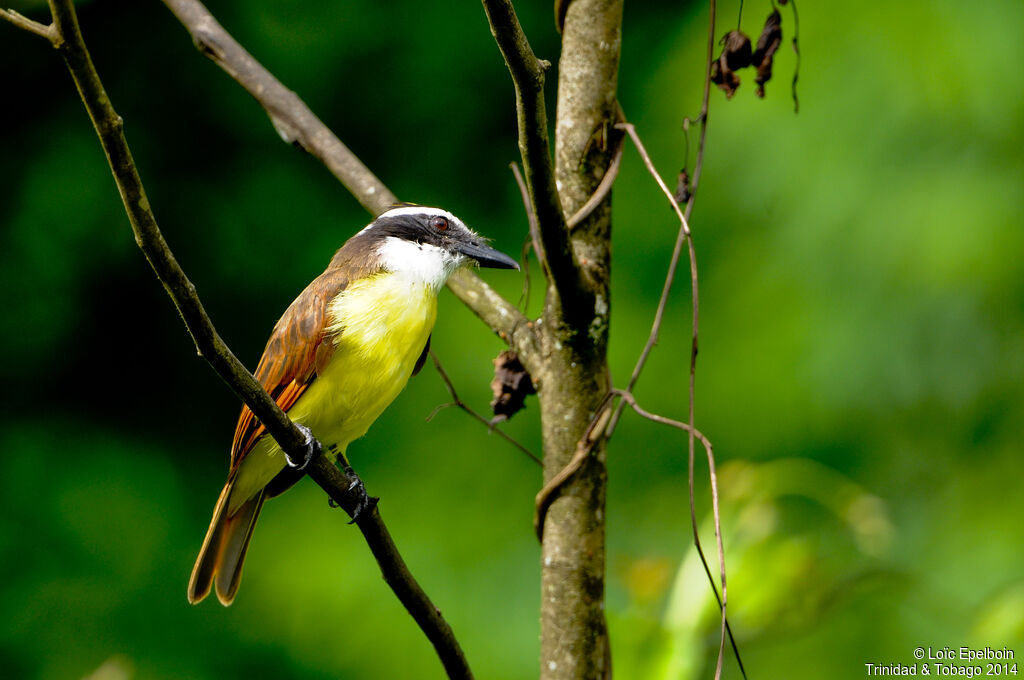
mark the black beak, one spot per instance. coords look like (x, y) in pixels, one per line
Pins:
(487, 256)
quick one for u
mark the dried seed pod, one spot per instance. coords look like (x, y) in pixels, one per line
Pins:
(767, 45)
(682, 194)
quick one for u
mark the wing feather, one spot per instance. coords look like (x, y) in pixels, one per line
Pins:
(298, 347)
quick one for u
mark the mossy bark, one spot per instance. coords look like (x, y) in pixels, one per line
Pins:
(574, 341)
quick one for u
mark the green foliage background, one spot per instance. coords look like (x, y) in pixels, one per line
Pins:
(861, 370)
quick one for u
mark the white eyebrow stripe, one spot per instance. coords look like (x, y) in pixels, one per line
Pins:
(415, 210)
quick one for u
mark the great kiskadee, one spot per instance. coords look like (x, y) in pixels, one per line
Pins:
(341, 353)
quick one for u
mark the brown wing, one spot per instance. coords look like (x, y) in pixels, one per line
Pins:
(298, 346)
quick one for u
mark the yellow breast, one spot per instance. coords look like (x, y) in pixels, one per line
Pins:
(381, 325)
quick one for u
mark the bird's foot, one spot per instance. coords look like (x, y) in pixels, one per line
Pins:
(365, 503)
(311, 452)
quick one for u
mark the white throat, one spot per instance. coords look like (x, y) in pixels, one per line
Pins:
(419, 262)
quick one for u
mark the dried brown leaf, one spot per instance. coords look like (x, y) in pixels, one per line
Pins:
(725, 79)
(736, 50)
(735, 55)
(511, 385)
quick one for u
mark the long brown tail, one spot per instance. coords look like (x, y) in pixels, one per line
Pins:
(223, 552)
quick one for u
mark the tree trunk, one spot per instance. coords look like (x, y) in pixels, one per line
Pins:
(574, 341)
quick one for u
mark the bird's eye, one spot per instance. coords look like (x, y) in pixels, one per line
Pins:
(439, 223)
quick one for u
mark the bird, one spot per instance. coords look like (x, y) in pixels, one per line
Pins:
(338, 356)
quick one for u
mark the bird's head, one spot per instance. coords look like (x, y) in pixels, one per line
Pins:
(426, 244)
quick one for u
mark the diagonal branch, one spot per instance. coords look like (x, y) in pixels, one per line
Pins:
(293, 120)
(531, 216)
(705, 100)
(527, 73)
(503, 317)
(457, 402)
(584, 447)
(531, 241)
(603, 189)
(42, 30)
(628, 397)
(297, 125)
(698, 167)
(685, 235)
(343, 487)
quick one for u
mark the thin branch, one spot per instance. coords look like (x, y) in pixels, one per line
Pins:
(683, 233)
(533, 239)
(397, 575)
(683, 236)
(591, 436)
(296, 124)
(705, 100)
(796, 48)
(602, 189)
(523, 303)
(503, 317)
(631, 400)
(698, 168)
(531, 214)
(457, 401)
(528, 77)
(293, 120)
(344, 488)
(42, 30)
(595, 430)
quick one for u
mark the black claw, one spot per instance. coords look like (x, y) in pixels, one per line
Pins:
(364, 508)
(312, 450)
(366, 502)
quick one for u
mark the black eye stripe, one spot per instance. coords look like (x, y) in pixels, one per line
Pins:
(422, 228)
